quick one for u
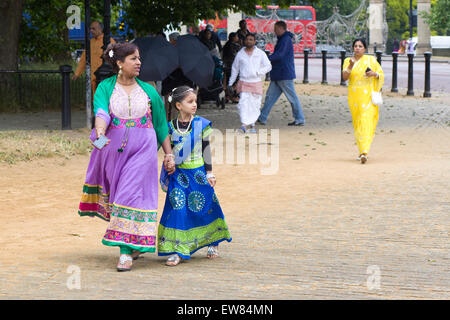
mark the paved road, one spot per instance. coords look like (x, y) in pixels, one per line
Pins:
(440, 73)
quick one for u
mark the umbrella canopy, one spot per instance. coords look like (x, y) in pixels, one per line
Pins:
(196, 61)
(159, 58)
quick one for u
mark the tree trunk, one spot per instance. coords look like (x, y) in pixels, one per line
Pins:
(10, 19)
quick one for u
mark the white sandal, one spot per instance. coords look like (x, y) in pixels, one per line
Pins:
(363, 158)
(123, 263)
(213, 252)
(173, 260)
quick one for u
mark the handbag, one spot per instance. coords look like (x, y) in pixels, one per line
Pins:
(377, 98)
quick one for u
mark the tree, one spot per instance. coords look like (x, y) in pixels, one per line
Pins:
(152, 16)
(438, 18)
(10, 12)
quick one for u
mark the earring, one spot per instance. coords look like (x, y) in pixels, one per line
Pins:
(120, 71)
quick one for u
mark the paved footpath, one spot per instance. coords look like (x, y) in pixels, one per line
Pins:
(323, 227)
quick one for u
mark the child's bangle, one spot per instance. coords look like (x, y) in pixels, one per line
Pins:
(210, 175)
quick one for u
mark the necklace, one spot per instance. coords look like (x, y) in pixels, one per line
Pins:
(178, 128)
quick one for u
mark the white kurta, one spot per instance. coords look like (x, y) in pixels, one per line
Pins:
(251, 69)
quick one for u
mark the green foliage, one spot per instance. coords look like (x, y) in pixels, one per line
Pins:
(397, 18)
(151, 16)
(438, 18)
(324, 9)
(44, 35)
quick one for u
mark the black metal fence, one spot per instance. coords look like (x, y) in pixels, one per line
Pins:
(37, 91)
(324, 56)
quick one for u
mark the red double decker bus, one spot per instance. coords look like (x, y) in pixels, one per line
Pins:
(298, 19)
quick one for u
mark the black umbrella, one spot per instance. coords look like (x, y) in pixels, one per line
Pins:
(196, 61)
(159, 58)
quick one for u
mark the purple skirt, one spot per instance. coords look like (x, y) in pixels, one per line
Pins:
(121, 184)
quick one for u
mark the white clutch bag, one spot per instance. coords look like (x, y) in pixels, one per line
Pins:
(377, 98)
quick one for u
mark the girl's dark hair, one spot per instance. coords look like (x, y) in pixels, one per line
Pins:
(179, 93)
(119, 52)
(363, 41)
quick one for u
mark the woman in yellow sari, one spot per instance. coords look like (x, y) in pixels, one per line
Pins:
(364, 74)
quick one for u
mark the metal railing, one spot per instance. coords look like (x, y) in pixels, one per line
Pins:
(378, 54)
(42, 90)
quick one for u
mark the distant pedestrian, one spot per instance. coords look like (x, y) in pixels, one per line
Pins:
(365, 75)
(230, 50)
(96, 44)
(282, 77)
(243, 31)
(251, 64)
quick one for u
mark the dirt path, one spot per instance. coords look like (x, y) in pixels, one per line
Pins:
(321, 226)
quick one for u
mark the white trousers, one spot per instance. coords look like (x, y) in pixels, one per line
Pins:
(249, 107)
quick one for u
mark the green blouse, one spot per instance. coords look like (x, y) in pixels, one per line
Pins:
(105, 90)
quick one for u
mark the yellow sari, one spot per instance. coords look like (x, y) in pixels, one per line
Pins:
(364, 113)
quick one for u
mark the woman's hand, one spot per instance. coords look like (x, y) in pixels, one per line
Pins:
(371, 74)
(351, 63)
(101, 131)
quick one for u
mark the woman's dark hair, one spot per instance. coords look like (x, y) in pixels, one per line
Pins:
(119, 52)
(231, 35)
(179, 93)
(363, 41)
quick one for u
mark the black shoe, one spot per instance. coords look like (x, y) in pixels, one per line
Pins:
(260, 122)
(295, 123)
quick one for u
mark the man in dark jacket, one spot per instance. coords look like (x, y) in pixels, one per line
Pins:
(282, 77)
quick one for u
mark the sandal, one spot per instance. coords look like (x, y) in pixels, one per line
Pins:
(173, 260)
(363, 158)
(213, 252)
(125, 263)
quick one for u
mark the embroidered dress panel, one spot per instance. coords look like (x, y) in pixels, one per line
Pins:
(120, 102)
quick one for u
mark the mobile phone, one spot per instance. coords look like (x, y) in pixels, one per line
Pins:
(100, 142)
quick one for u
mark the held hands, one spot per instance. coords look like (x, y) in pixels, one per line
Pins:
(169, 163)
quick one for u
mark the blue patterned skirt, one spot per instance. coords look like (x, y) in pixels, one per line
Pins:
(192, 217)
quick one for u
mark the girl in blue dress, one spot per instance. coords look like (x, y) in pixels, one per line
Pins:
(192, 216)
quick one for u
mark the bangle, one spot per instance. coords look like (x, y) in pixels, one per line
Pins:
(169, 155)
(210, 175)
(348, 70)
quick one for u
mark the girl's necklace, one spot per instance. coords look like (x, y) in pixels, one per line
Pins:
(178, 128)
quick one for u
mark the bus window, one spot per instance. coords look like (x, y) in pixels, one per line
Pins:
(285, 14)
(264, 13)
(303, 14)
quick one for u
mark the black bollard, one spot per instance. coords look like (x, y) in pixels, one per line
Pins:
(305, 66)
(394, 71)
(324, 67)
(65, 112)
(343, 52)
(410, 91)
(427, 92)
(378, 54)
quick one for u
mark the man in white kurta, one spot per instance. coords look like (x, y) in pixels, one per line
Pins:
(251, 64)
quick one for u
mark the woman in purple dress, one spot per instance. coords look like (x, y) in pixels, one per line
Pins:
(121, 183)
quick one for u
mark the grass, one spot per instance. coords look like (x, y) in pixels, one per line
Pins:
(18, 146)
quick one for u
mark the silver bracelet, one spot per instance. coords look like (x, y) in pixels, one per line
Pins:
(210, 175)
